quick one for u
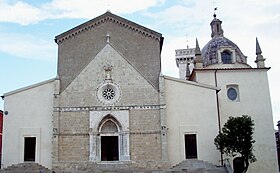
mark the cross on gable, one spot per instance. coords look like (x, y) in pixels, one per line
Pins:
(108, 38)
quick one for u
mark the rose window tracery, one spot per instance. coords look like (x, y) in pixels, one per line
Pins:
(108, 93)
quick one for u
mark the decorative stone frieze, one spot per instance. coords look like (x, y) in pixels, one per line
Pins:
(104, 108)
(107, 17)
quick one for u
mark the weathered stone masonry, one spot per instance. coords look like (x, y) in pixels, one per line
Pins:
(131, 54)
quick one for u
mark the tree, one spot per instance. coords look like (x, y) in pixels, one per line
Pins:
(237, 138)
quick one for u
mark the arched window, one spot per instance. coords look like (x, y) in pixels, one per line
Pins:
(109, 126)
(226, 57)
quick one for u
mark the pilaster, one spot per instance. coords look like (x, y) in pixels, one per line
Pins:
(164, 144)
(56, 114)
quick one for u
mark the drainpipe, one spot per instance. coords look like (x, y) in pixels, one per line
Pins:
(218, 111)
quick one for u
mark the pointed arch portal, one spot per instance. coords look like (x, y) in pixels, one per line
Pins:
(109, 133)
(109, 136)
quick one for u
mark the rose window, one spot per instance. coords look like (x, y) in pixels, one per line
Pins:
(108, 93)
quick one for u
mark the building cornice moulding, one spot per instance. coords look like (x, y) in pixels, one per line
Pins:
(108, 17)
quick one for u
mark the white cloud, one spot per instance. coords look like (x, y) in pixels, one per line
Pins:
(89, 8)
(27, 47)
(20, 12)
(174, 14)
(24, 13)
(168, 55)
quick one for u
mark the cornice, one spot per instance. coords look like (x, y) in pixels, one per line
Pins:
(108, 17)
(226, 69)
(192, 83)
(28, 87)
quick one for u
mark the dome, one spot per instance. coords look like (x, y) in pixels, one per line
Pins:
(209, 51)
(220, 50)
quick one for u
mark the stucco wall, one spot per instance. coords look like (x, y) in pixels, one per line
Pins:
(254, 100)
(191, 109)
(30, 115)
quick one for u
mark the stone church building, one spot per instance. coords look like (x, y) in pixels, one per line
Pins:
(110, 104)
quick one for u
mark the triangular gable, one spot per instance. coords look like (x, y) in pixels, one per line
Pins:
(108, 17)
(87, 81)
(78, 46)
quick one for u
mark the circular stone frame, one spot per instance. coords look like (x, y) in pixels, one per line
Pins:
(108, 93)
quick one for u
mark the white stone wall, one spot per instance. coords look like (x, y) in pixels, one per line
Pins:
(29, 115)
(254, 100)
(191, 109)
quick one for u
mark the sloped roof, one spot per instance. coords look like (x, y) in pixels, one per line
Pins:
(28, 87)
(188, 82)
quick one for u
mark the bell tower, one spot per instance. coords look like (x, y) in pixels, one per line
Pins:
(185, 61)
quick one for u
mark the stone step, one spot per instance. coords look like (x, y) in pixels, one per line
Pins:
(194, 162)
(187, 166)
(196, 166)
(26, 168)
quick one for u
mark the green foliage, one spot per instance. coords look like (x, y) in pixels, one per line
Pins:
(237, 138)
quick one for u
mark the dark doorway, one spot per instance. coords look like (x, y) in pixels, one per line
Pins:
(29, 149)
(190, 146)
(109, 148)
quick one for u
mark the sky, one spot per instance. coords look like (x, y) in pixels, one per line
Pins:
(28, 53)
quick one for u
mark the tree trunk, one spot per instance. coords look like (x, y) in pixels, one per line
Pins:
(246, 165)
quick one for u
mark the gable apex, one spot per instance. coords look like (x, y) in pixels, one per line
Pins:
(108, 16)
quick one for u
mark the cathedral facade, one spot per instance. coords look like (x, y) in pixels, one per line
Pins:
(109, 103)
